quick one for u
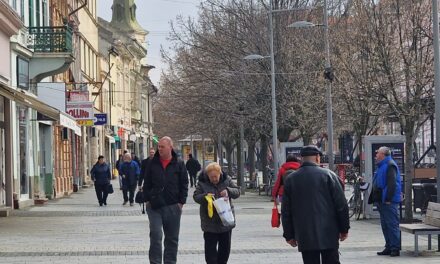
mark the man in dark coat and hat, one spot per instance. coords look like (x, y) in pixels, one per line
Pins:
(315, 211)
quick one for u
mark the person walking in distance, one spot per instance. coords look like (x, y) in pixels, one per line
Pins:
(144, 166)
(217, 237)
(291, 165)
(165, 190)
(315, 211)
(101, 177)
(386, 194)
(130, 172)
(193, 166)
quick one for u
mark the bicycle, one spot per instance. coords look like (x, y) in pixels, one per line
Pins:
(356, 200)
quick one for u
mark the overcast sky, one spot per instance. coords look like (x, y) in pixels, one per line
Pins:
(154, 16)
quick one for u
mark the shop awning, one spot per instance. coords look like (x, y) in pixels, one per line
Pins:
(29, 100)
(111, 139)
(69, 122)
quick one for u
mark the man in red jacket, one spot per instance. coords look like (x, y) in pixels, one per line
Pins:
(292, 164)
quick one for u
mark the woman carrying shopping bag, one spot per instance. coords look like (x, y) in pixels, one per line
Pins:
(214, 184)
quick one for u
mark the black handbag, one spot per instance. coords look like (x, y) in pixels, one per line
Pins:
(139, 198)
(110, 188)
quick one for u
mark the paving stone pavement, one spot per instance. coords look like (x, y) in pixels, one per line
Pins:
(76, 230)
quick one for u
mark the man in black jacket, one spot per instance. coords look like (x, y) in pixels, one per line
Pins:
(165, 190)
(193, 166)
(315, 211)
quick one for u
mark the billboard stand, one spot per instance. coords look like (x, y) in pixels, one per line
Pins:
(372, 143)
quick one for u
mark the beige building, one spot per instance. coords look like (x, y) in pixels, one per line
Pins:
(127, 89)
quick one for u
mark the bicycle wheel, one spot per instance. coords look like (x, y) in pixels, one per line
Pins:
(351, 206)
(359, 206)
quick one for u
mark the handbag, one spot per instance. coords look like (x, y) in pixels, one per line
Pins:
(275, 215)
(139, 198)
(110, 188)
(224, 211)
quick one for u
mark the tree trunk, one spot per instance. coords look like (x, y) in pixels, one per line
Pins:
(251, 159)
(239, 161)
(263, 158)
(409, 172)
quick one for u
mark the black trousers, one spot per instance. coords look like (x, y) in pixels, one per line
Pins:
(101, 193)
(220, 254)
(128, 190)
(193, 179)
(329, 256)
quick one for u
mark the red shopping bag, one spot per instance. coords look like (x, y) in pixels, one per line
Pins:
(275, 215)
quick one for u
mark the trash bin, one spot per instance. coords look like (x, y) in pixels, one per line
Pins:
(419, 196)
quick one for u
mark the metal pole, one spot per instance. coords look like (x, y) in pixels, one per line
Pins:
(273, 93)
(437, 90)
(329, 92)
(241, 165)
(220, 148)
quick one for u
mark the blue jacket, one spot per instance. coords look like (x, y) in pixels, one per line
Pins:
(388, 179)
(101, 174)
(130, 172)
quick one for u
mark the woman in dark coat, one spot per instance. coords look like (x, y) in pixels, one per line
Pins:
(101, 176)
(216, 183)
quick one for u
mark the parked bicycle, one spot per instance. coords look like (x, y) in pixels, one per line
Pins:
(356, 200)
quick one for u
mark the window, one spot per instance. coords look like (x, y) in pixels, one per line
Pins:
(44, 12)
(22, 73)
(22, 10)
(31, 13)
(37, 13)
(14, 4)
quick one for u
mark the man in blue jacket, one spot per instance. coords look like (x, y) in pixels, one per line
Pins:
(386, 194)
(130, 172)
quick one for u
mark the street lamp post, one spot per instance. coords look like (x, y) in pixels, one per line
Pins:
(273, 91)
(437, 90)
(273, 95)
(329, 78)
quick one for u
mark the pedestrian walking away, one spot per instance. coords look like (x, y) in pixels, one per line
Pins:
(101, 176)
(215, 183)
(314, 210)
(130, 172)
(118, 168)
(193, 166)
(386, 195)
(166, 190)
(291, 165)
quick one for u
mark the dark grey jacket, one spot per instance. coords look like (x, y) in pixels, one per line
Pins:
(204, 186)
(314, 208)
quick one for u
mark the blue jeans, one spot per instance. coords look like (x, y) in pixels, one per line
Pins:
(389, 220)
(168, 219)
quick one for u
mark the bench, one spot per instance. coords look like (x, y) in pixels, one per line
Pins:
(430, 226)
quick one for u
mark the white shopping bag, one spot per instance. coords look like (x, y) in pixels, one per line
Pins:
(223, 208)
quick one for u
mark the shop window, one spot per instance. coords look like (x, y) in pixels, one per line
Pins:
(22, 73)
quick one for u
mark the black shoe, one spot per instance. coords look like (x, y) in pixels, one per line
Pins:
(131, 204)
(100, 204)
(105, 203)
(125, 202)
(384, 252)
(395, 253)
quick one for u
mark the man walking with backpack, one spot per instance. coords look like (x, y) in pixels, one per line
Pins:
(165, 189)
(193, 166)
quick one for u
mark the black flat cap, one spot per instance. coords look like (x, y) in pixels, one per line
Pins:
(310, 150)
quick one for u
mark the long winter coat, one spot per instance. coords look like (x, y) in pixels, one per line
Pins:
(165, 186)
(314, 208)
(101, 174)
(204, 186)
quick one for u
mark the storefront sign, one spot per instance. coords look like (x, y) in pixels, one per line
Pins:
(80, 110)
(78, 96)
(85, 122)
(100, 119)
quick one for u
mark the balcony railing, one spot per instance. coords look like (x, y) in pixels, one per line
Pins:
(50, 39)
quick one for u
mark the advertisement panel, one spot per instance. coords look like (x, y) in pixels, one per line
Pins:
(80, 110)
